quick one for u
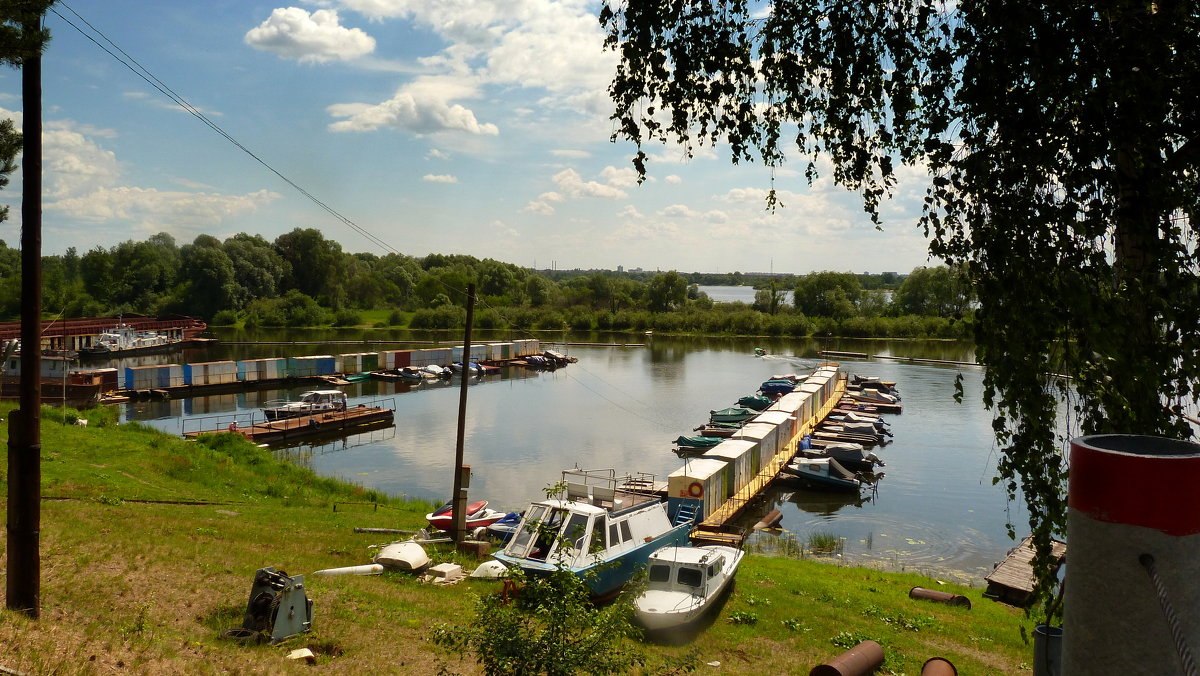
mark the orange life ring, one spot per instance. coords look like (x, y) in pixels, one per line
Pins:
(696, 490)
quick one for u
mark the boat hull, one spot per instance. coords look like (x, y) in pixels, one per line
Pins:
(606, 577)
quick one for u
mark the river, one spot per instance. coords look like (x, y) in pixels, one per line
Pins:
(936, 510)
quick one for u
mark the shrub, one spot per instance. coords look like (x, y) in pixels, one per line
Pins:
(347, 317)
(225, 318)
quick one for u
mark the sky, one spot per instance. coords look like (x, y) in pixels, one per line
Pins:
(437, 126)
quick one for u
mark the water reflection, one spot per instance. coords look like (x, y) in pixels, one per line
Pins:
(824, 503)
(621, 407)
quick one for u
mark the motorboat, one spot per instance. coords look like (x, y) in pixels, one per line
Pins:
(683, 584)
(733, 414)
(851, 456)
(313, 402)
(757, 402)
(123, 339)
(603, 530)
(478, 515)
(821, 474)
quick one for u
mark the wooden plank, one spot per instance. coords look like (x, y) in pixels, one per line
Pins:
(1015, 572)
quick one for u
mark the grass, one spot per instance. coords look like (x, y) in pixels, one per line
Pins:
(132, 584)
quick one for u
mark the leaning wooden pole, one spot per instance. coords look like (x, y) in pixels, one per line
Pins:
(23, 588)
(459, 500)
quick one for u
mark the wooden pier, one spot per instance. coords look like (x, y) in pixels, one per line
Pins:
(352, 420)
(714, 529)
(1012, 580)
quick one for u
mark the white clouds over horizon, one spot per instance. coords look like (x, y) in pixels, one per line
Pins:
(293, 33)
(83, 181)
(439, 178)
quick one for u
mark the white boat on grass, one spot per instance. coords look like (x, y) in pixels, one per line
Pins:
(683, 584)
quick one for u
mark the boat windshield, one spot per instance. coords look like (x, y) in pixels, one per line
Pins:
(660, 573)
(690, 577)
(528, 529)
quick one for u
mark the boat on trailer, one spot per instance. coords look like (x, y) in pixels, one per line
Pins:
(603, 529)
(683, 583)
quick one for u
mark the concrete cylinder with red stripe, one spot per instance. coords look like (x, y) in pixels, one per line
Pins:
(1130, 496)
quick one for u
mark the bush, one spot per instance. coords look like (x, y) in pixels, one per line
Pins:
(225, 318)
(443, 317)
(347, 318)
(395, 318)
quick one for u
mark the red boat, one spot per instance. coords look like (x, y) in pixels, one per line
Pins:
(478, 515)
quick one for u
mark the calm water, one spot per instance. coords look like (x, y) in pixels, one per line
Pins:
(936, 508)
(736, 294)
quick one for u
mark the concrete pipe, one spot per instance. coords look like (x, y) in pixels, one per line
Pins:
(939, 596)
(1133, 528)
(860, 660)
(938, 666)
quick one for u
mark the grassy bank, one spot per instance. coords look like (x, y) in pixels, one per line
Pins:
(150, 544)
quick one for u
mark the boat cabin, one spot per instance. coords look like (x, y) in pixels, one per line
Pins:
(693, 570)
(579, 531)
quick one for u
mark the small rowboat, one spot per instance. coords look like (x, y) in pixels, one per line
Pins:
(478, 515)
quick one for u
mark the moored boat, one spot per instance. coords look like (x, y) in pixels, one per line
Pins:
(602, 532)
(683, 584)
(821, 474)
(310, 403)
(734, 415)
(755, 401)
(697, 442)
(123, 339)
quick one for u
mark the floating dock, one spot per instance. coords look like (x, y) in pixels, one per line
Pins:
(715, 529)
(349, 421)
(1012, 581)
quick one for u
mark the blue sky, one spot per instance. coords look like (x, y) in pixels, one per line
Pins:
(451, 126)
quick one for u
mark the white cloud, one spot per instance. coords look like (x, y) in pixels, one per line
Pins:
(436, 154)
(571, 184)
(539, 206)
(673, 179)
(629, 211)
(153, 209)
(556, 45)
(620, 178)
(571, 153)
(439, 178)
(293, 33)
(169, 105)
(504, 230)
(422, 107)
(82, 181)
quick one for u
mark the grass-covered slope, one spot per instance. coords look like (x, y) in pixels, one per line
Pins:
(149, 546)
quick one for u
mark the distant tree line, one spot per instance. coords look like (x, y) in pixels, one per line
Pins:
(304, 279)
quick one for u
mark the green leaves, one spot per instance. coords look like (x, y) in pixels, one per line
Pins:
(1062, 144)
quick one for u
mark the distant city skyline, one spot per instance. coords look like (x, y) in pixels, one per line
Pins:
(459, 127)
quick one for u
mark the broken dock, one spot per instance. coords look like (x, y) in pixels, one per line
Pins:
(1012, 581)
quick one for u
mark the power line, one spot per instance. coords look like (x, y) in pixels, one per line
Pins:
(141, 71)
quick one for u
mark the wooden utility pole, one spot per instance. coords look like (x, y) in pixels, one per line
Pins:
(459, 499)
(23, 590)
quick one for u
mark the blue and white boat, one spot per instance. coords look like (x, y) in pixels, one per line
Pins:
(603, 529)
